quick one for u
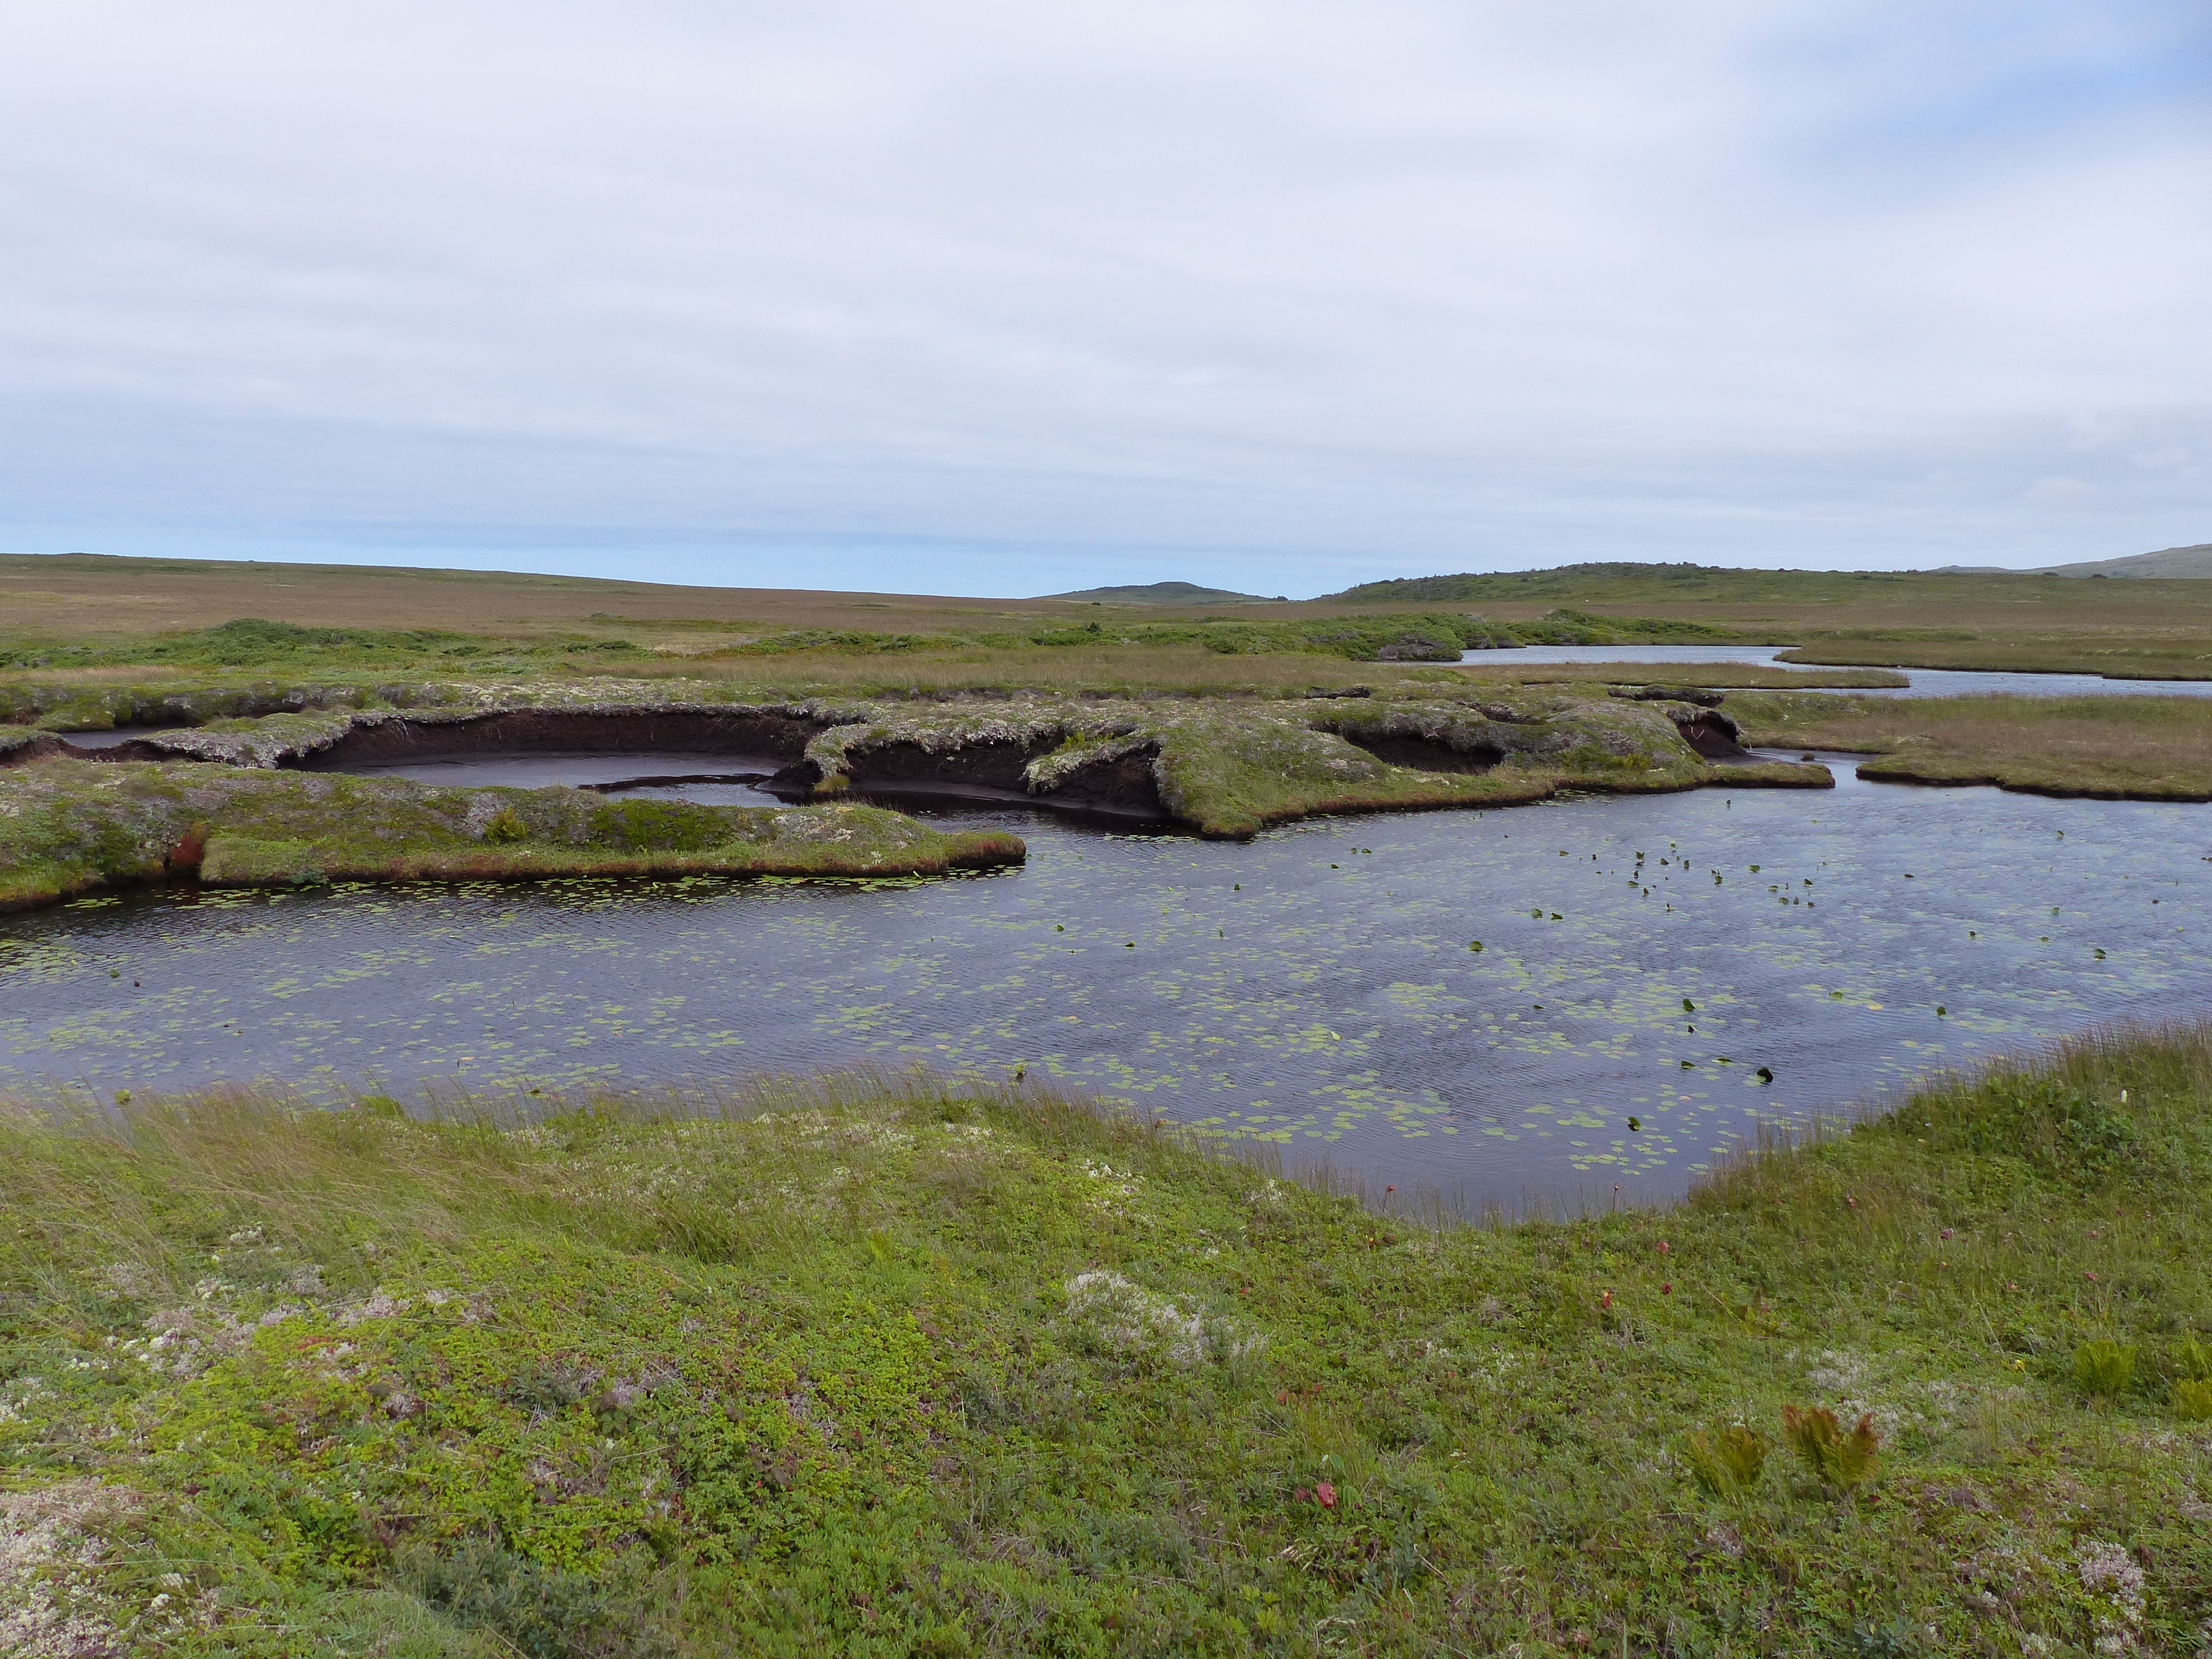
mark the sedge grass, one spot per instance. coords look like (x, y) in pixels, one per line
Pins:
(2136, 748)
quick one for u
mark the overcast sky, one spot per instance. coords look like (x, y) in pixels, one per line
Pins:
(1003, 298)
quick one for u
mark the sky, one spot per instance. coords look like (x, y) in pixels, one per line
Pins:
(1007, 299)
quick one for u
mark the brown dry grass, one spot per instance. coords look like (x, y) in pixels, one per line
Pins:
(1060, 670)
(2131, 627)
(80, 597)
(1077, 670)
(2140, 748)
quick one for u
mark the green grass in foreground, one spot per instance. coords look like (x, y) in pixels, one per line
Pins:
(872, 1369)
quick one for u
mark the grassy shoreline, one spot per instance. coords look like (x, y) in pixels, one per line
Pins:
(2105, 656)
(916, 1368)
(2106, 748)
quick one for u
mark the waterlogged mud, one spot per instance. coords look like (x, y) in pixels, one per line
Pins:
(1317, 987)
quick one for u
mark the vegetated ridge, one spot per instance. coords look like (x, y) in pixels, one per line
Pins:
(889, 1369)
(2190, 563)
(1629, 580)
(69, 827)
(252, 642)
(2106, 748)
(1167, 593)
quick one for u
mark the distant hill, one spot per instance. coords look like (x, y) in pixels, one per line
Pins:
(1167, 593)
(1623, 581)
(2168, 561)
(1621, 578)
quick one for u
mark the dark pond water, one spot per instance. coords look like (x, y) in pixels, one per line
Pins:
(1925, 682)
(1316, 988)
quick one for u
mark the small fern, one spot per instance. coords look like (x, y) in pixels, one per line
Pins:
(2103, 1369)
(506, 826)
(1837, 1458)
(2192, 1400)
(1730, 1461)
(2192, 1360)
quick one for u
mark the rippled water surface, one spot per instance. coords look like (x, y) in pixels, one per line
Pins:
(1317, 986)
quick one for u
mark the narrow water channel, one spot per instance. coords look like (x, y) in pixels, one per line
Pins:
(1924, 682)
(1318, 988)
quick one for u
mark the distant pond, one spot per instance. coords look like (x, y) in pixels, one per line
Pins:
(1316, 988)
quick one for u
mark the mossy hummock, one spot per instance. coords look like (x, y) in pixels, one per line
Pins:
(1222, 766)
(68, 826)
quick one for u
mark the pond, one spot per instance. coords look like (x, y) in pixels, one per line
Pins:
(1316, 988)
(1924, 682)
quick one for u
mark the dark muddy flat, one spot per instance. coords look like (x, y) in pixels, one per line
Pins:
(579, 769)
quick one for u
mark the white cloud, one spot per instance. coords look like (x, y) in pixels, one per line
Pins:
(955, 297)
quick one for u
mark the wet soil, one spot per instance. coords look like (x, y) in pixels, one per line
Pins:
(753, 733)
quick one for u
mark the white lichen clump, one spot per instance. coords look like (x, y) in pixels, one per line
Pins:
(1116, 1313)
